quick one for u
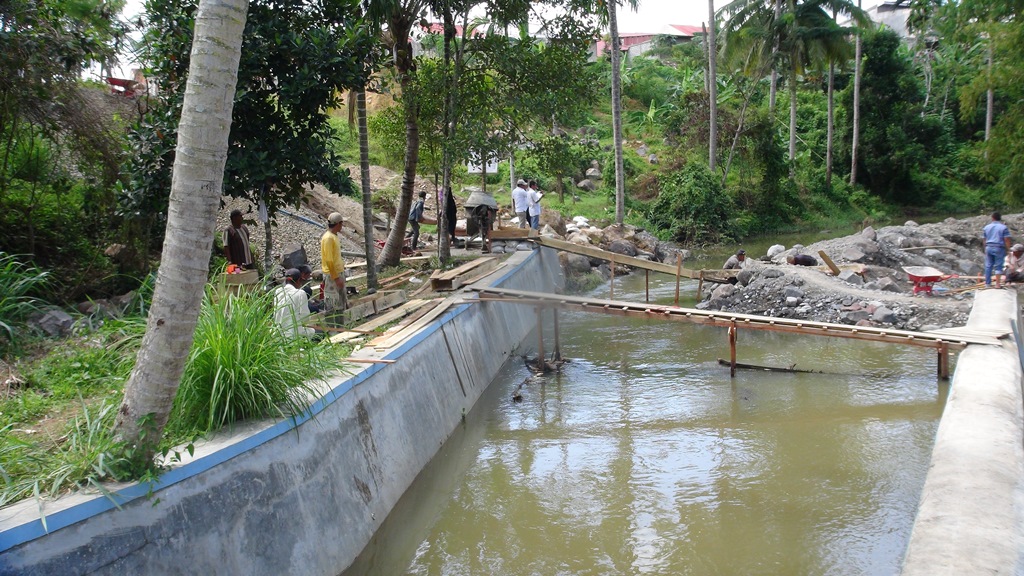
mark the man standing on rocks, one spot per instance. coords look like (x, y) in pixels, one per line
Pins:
(997, 240)
(521, 203)
(333, 265)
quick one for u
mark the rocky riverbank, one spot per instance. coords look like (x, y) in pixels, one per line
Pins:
(872, 290)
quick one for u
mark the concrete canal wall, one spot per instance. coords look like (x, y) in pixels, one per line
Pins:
(971, 516)
(286, 497)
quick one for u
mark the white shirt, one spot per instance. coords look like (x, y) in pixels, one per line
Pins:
(534, 197)
(520, 201)
(291, 308)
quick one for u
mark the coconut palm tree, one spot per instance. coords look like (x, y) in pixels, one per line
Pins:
(712, 87)
(191, 222)
(401, 16)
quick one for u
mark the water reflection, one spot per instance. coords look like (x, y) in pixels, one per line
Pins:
(644, 457)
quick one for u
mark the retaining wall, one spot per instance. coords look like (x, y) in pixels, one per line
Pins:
(971, 516)
(292, 497)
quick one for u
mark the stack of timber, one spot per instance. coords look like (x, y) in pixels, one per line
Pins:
(360, 308)
(427, 313)
(412, 309)
(444, 280)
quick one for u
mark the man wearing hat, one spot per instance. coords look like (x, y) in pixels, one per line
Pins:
(735, 262)
(1015, 269)
(291, 306)
(236, 242)
(333, 265)
(521, 203)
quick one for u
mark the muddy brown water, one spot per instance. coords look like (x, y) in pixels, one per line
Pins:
(642, 456)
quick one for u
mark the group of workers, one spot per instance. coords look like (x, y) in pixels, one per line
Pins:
(293, 301)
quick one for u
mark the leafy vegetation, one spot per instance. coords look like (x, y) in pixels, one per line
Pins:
(241, 366)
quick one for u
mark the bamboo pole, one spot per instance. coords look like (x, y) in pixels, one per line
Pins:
(647, 285)
(611, 284)
(558, 343)
(679, 268)
(700, 286)
(943, 365)
(540, 338)
(732, 350)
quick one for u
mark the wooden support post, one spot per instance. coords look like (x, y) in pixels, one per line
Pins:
(611, 284)
(679, 268)
(647, 285)
(943, 354)
(558, 343)
(540, 339)
(732, 350)
(700, 286)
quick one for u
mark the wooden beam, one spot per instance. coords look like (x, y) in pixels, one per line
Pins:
(726, 319)
(719, 276)
(828, 262)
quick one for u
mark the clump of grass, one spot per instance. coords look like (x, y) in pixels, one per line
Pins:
(241, 366)
(86, 454)
(17, 282)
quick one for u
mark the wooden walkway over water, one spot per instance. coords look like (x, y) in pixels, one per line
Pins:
(941, 340)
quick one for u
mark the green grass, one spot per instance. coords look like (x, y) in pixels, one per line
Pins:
(18, 281)
(241, 366)
(56, 430)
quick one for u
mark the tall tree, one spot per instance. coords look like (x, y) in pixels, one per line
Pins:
(369, 246)
(855, 135)
(400, 16)
(620, 177)
(195, 198)
(712, 88)
(297, 59)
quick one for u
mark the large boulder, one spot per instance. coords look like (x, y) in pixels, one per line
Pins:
(623, 247)
(586, 184)
(53, 321)
(554, 220)
(293, 255)
(593, 174)
(775, 250)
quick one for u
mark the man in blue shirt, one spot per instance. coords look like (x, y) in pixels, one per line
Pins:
(997, 240)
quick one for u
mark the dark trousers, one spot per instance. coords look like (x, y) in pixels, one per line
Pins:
(415, 233)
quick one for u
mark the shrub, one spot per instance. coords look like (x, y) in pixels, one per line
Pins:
(692, 206)
(18, 282)
(241, 366)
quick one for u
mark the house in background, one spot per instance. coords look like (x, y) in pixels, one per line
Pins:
(637, 43)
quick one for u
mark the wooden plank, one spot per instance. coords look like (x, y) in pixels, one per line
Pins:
(513, 233)
(406, 260)
(390, 341)
(726, 319)
(454, 279)
(368, 361)
(828, 262)
(711, 275)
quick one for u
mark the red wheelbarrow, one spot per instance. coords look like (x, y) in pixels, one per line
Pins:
(925, 277)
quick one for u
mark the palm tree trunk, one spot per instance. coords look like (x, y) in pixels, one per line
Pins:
(855, 137)
(712, 88)
(392, 252)
(830, 130)
(792, 119)
(989, 95)
(197, 181)
(620, 179)
(364, 181)
(774, 88)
